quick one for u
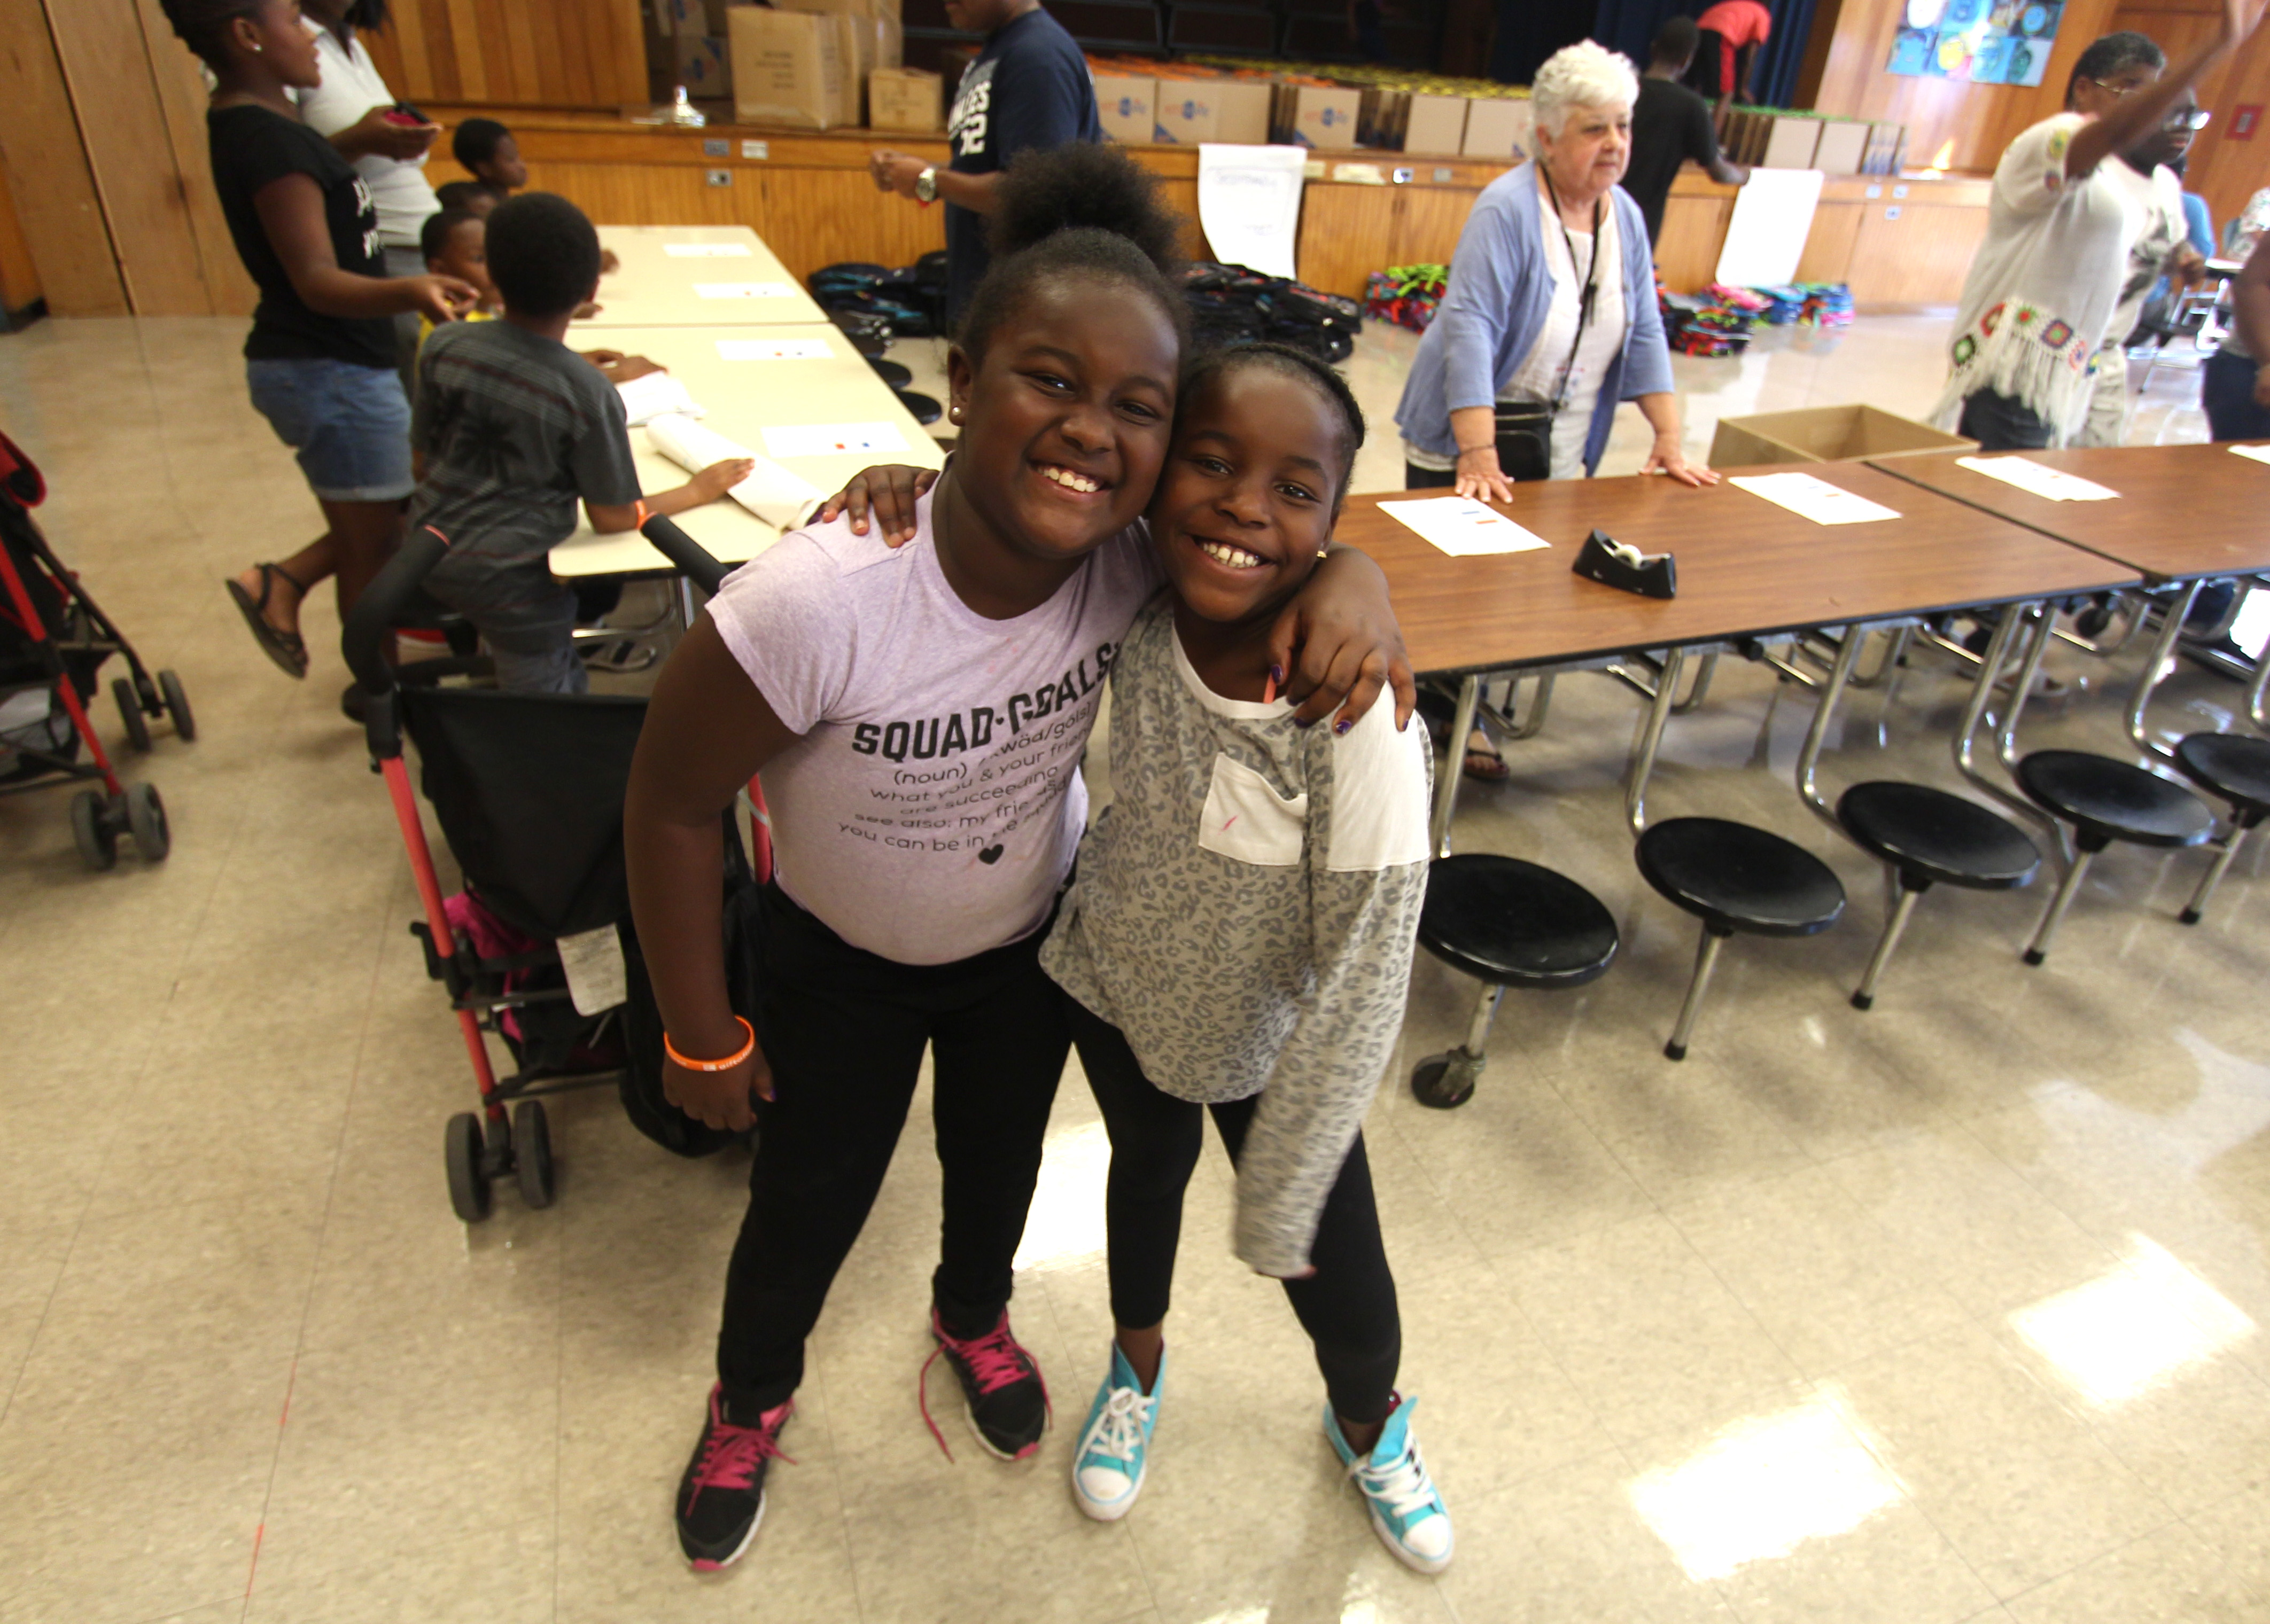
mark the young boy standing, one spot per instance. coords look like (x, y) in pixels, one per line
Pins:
(514, 427)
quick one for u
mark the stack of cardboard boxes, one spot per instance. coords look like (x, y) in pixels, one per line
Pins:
(805, 63)
(1328, 109)
(685, 45)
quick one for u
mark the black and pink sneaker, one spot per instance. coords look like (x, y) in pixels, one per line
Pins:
(1001, 1388)
(721, 1499)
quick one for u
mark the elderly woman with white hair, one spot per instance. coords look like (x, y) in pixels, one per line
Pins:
(1550, 318)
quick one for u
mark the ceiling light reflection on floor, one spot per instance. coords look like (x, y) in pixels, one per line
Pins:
(1065, 1222)
(2134, 1329)
(1765, 1486)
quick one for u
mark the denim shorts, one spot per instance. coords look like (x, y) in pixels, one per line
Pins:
(350, 426)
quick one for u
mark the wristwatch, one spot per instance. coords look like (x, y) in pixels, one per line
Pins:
(926, 185)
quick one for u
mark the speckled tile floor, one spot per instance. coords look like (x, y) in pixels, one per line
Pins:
(1948, 1311)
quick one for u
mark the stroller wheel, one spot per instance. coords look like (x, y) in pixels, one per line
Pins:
(469, 1180)
(532, 1147)
(145, 821)
(98, 841)
(177, 706)
(129, 709)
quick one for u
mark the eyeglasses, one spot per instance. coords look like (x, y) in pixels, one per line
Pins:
(2110, 89)
(2187, 118)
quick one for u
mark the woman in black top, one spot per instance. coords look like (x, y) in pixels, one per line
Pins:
(320, 359)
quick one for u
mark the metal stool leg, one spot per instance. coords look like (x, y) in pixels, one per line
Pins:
(1706, 960)
(2063, 900)
(1446, 1081)
(1911, 888)
(2213, 876)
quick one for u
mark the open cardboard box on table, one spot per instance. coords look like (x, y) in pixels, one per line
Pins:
(1825, 434)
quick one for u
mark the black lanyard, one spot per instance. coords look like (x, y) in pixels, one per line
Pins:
(1591, 280)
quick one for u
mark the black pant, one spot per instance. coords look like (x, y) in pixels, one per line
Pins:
(1418, 479)
(2226, 392)
(844, 1031)
(1347, 1306)
(2001, 423)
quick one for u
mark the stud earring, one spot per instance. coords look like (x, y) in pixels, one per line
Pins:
(956, 414)
(1323, 552)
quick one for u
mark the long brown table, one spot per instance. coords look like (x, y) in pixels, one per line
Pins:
(1745, 567)
(2183, 512)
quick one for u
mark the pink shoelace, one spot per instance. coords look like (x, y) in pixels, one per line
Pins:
(730, 1455)
(995, 1359)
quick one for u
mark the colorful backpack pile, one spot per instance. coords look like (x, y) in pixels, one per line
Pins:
(1827, 304)
(1407, 295)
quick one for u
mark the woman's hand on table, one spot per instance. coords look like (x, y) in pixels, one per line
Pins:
(1667, 458)
(1480, 477)
(887, 494)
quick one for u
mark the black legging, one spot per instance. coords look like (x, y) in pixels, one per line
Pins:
(1347, 1306)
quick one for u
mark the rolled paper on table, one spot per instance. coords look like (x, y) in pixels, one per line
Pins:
(783, 499)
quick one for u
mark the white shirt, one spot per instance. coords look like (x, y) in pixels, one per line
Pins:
(1538, 378)
(352, 87)
(2039, 298)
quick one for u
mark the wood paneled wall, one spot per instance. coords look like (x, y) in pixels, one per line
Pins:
(514, 52)
(2225, 172)
(49, 173)
(19, 276)
(1979, 120)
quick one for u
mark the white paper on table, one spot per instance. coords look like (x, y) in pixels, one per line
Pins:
(834, 439)
(783, 499)
(708, 250)
(1813, 498)
(1765, 238)
(1250, 204)
(745, 290)
(2038, 478)
(2260, 454)
(1463, 527)
(657, 394)
(772, 350)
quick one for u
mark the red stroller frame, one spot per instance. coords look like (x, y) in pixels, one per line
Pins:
(63, 648)
(527, 789)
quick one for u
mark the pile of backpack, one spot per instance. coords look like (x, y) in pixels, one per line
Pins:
(1232, 305)
(908, 302)
(1702, 324)
(1407, 295)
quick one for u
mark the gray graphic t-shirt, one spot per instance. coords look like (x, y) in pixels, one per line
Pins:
(1244, 914)
(932, 806)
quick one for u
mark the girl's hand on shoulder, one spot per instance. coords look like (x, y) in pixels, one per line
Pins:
(1338, 644)
(884, 494)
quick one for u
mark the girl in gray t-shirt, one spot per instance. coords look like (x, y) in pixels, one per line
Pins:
(1238, 938)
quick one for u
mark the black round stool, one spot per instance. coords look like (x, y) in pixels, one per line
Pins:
(925, 407)
(2236, 766)
(1507, 923)
(1734, 878)
(891, 372)
(2104, 801)
(1926, 837)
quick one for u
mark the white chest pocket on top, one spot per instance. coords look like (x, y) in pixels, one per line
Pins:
(1246, 820)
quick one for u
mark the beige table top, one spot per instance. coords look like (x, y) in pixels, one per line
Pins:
(744, 398)
(657, 283)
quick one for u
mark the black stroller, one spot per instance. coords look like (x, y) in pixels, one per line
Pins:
(529, 791)
(53, 640)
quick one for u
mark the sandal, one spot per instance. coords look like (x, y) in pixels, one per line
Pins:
(288, 649)
(1484, 765)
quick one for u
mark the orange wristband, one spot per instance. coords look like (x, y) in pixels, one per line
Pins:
(747, 1047)
(639, 508)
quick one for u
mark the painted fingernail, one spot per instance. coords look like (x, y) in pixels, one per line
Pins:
(1304, 722)
(1276, 675)
(1342, 726)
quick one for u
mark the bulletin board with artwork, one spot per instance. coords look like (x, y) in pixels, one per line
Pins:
(1985, 41)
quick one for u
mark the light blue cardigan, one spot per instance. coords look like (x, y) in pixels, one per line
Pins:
(1494, 307)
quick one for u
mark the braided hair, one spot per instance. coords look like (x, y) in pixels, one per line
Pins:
(203, 25)
(1084, 211)
(1286, 361)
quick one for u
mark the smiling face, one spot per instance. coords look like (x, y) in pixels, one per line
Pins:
(1590, 154)
(1065, 420)
(1250, 490)
(275, 36)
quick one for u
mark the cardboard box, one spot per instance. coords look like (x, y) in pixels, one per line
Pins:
(789, 69)
(907, 99)
(1500, 127)
(1790, 143)
(1126, 104)
(861, 44)
(1825, 434)
(1324, 120)
(1434, 124)
(1242, 111)
(1843, 144)
(1186, 112)
(701, 62)
(686, 19)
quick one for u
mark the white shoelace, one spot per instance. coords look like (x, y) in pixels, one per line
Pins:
(1118, 1431)
(1402, 1484)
